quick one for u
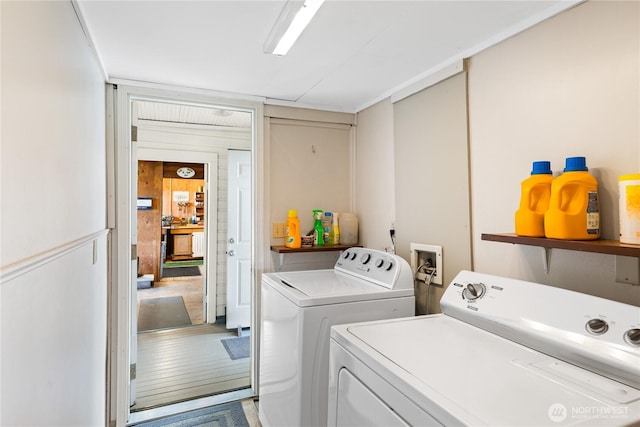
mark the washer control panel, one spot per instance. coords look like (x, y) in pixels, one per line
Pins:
(385, 269)
(553, 320)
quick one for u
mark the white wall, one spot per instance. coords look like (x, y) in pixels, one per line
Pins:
(566, 87)
(53, 244)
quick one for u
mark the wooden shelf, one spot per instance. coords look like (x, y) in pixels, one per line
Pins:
(611, 247)
(285, 250)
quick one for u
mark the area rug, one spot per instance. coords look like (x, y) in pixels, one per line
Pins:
(162, 313)
(225, 415)
(181, 272)
(172, 264)
(237, 347)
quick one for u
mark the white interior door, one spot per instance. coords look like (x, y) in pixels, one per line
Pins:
(239, 240)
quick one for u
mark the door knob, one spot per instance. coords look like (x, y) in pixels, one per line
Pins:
(232, 252)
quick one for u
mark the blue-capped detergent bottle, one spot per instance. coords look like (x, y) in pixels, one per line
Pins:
(574, 210)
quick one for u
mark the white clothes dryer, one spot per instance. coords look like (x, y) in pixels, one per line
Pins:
(503, 353)
(297, 311)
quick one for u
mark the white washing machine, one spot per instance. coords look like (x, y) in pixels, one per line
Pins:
(502, 353)
(297, 311)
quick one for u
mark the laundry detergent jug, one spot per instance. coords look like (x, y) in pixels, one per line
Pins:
(534, 200)
(574, 211)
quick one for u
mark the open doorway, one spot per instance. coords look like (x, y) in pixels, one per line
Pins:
(183, 160)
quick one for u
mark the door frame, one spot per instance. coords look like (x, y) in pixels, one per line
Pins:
(120, 203)
(210, 160)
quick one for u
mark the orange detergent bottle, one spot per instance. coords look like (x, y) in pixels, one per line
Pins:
(574, 212)
(534, 201)
(293, 230)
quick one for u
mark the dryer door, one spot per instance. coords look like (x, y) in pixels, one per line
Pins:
(357, 405)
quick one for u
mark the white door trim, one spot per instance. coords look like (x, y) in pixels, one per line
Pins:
(121, 203)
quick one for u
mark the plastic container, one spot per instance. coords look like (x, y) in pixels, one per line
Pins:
(574, 212)
(293, 239)
(318, 230)
(334, 235)
(535, 193)
(348, 229)
(629, 208)
(327, 221)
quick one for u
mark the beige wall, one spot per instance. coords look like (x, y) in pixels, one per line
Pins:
(310, 168)
(566, 87)
(432, 180)
(375, 188)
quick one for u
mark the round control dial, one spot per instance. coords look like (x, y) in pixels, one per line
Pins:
(365, 258)
(632, 336)
(474, 291)
(384, 264)
(597, 326)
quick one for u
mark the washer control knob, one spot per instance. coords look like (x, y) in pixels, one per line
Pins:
(473, 291)
(597, 326)
(632, 336)
(379, 263)
(346, 254)
(353, 256)
(388, 265)
(365, 258)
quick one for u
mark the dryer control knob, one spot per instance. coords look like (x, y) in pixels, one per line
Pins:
(597, 326)
(632, 336)
(473, 291)
(365, 258)
(379, 262)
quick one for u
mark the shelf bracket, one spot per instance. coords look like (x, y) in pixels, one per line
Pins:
(545, 259)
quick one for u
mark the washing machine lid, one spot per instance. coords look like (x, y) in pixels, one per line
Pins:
(462, 374)
(322, 287)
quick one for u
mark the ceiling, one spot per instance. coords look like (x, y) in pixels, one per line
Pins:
(353, 54)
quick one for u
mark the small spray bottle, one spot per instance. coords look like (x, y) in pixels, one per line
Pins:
(318, 230)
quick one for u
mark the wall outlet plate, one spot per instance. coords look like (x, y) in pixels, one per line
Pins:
(419, 253)
(279, 230)
(627, 270)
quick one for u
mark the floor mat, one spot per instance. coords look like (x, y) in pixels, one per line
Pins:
(237, 347)
(181, 272)
(162, 313)
(228, 414)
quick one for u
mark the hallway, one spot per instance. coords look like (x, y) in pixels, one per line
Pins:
(175, 365)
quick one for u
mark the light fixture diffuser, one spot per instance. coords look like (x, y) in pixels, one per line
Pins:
(293, 19)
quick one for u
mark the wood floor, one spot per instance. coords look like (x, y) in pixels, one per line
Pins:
(175, 365)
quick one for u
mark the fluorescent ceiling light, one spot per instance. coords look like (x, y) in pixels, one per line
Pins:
(293, 19)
